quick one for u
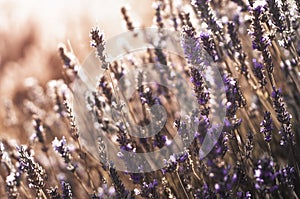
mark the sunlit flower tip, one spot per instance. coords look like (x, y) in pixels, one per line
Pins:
(61, 147)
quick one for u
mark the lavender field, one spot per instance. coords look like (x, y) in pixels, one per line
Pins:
(150, 99)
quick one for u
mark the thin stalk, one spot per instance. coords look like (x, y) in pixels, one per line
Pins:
(182, 187)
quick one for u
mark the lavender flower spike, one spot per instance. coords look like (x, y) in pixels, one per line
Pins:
(35, 174)
(266, 127)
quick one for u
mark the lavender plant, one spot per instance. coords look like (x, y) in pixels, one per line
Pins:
(255, 46)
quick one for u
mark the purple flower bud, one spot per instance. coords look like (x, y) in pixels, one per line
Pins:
(235, 98)
(298, 6)
(53, 193)
(265, 175)
(209, 45)
(117, 182)
(283, 115)
(277, 17)
(258, 70)
(149, 190)
(236, 46)
(266, 126)
(204, 9)
(242, 4)
(205, 192)
(61, 147)
(260, 41)
(66, 190)
(287, 175)
(99, 43)
(249, 145)
(35, 174)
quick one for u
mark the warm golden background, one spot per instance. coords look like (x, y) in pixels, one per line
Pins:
(30, 32)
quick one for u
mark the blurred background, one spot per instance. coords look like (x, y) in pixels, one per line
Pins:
(30, 32)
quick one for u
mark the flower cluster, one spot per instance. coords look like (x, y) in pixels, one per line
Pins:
(255, 48)
(35, 173)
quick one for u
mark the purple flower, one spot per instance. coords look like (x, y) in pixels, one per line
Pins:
(276, 15)
(260, 41)
(236, 46)
(36, 175)
(159, 19)
(60, 146)
(170, 165)
(204, 193)
(266, 126)
(125, 143)
(202, 94)
(99, 43)
(265, 175)
(160, 140)
(244, 195)
(242, 4)
(117, 182)
(286, 176)
(235, 98)
(53, 193)
(298, 6)
(191, 46)
(258, 70)
(66, 190)
(209, 45)
(283, 115)
(137, 178)
(249, 145)
(149, 190)
(222, 180)
(204, 9)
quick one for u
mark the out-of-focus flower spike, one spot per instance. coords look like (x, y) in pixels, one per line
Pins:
(61, 147)
(127, 19)
(68, 58)
(242, 4)
(204, 9)
(298, 5)
(275, 12)
(260, 41)
(66, 190)
(237, 47)
(149, 190)
(159, 20)
(102, 152)
(117, 182)
(209, 45)
(266, 126)
(72, 120)
(249, 145)
(35, 173)
(265, 176)
(97, 41)
(12, 184)
(53, 193)
(258, 70)
(287, 175)
(284, 117)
